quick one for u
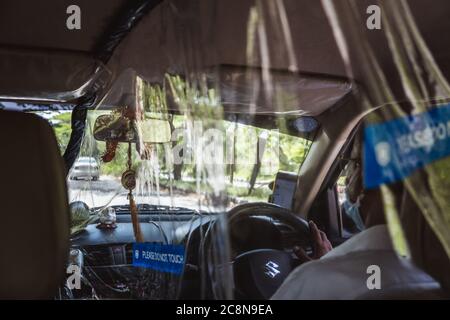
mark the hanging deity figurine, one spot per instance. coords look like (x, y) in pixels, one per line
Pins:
(110, 152)
(122, 121)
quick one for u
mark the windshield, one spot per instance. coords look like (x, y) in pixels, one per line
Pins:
(248, 177)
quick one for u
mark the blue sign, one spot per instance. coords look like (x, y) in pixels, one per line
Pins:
(395, 149)
(160, 257)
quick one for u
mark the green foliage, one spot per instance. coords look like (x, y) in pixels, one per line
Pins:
(62, 128)
(292, 152)
(282, 152)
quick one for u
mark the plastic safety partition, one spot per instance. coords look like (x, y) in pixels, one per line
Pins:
(158, 206)
(406, 134)
(150, 219)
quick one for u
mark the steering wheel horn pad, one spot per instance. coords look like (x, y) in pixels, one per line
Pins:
(261, 272)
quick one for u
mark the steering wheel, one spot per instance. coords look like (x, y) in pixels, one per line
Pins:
(258, 269)
(259, 272)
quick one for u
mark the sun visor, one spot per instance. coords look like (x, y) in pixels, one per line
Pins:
(294, 93)
(48, 76)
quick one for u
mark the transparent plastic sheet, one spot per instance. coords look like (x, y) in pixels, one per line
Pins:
(403, 80)
(162, 218)
(261, 88)
(209, 107)
(107, 270)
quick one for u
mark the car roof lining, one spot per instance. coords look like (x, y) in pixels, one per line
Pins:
(42, 60)
(42, 25)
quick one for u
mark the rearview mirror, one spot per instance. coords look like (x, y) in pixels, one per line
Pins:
(154, 131)
(116, 128)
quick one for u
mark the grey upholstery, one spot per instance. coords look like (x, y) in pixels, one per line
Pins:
(420, 287)
(34, 221)
(425, 291)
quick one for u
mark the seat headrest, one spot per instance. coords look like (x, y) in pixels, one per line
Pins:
(34, 222)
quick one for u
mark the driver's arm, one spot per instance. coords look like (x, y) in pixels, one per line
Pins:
(321, 245)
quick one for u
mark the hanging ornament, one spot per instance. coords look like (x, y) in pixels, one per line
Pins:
(129, 179)
(110, 152)
(129, 182)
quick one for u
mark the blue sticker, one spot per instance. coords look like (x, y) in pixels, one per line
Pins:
(395, 149)
(160, 257)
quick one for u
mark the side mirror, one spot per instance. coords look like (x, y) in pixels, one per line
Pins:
(121, 129)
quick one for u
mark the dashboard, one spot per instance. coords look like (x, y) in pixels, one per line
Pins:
(105, 255)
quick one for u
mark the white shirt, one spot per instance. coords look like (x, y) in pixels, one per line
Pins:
(342, 273)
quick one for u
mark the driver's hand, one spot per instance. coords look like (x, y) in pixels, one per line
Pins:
(321, 245)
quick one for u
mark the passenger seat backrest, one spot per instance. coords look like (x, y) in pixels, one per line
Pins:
(34, 214)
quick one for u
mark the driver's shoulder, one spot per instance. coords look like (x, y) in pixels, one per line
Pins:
(331, 278)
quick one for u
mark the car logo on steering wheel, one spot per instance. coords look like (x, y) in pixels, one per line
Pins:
(271, 269)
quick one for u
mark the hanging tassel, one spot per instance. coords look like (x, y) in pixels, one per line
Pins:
(135, 219)
(129, 182)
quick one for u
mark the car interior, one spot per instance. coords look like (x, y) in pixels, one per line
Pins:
(110, 134)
